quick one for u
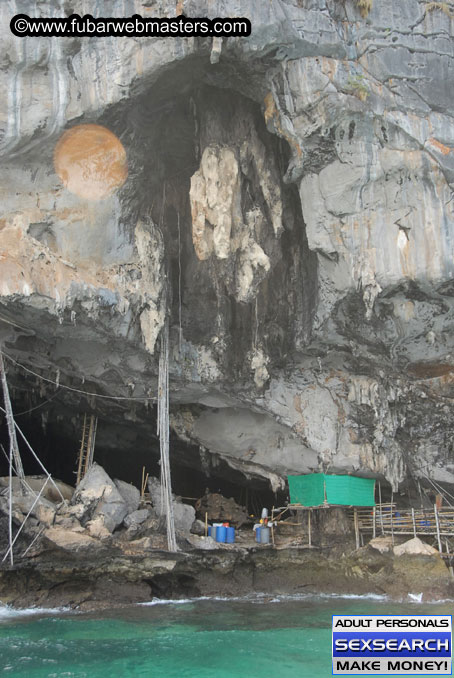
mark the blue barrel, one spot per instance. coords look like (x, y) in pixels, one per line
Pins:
(221, 533)
(230, 536)
(212, 531)
(257, 534)
(265, 535)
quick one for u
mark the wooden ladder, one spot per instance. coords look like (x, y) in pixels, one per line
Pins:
(87, 446)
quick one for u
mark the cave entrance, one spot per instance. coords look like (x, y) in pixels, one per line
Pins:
(123, 450)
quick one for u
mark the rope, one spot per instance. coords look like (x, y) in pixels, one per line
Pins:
(180, 333)
(32, 409)
(163, 433)
(13, 446)
(49, 477)
(444, 493)
(71, 388)
(10, 550)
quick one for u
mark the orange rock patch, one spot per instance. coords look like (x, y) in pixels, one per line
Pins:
(445, 150)
(90, 161)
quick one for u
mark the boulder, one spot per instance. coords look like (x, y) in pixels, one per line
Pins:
(98, 495)
(43, 510)
(69, 522)
(184, 515)
(45, 514)
(154, 488)
(221, 509)
(136, 518)
(130, 494)
(415, 547)
(150, 526)
(382, 544)
(36, 483)
(69, 541)
(77, 511)
(203, 543)
(198, 528)
(97, 528)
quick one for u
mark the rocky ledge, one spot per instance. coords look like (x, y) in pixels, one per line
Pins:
(86, 577)
(105, 545)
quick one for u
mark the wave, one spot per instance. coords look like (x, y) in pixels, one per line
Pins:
(7, 613)
(265, 598)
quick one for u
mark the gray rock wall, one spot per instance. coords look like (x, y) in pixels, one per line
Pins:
(292, 204)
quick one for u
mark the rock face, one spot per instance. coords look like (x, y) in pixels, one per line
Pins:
(414, 547)
(97, 497)
(130, 495)
(289, 204)
(220, 508)
(184, 515)
(66, 576)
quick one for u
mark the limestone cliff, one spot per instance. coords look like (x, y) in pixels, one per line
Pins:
(290, 205)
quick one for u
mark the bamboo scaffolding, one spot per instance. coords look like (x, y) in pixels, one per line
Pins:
(355, 515)
(434, 522)
(438, 528)
(10, 549)
(381, 508)
(14, 447)
(409, 521)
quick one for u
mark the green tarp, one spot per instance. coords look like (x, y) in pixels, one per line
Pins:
(315, 488)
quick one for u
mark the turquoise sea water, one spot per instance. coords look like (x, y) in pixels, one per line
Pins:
(264, 637)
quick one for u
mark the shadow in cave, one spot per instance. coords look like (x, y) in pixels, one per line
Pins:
(167, 129)
(123, 450)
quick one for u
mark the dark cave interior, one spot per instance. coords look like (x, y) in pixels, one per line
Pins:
(122, 449)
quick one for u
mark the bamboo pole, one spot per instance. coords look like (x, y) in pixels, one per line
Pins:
(392, 525)
(449, 561)
(81, 451)
(144, 483)
(14, 447)
(93, 443)
(355, 513)
(90, 444)
(206, 524)
(10, 507)
(26, 485)
(413, 520)
(35, 538)
(374, 532)
(25, 520)
(49, 477)
(437, 523)
(309, 527)
(381, 511)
